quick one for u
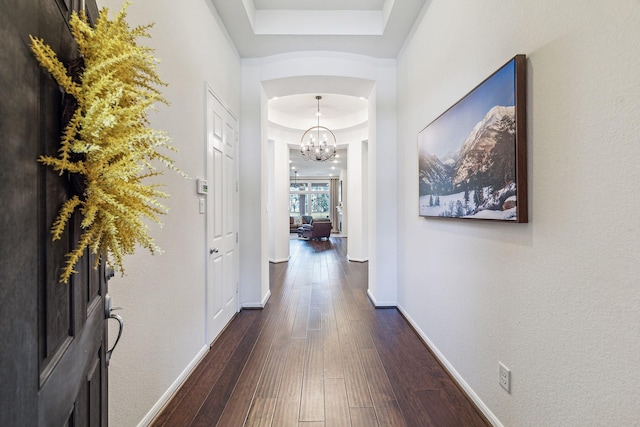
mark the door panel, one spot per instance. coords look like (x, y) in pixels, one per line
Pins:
(215, 301)
(230, 226)
(52, 364)
(222, 266)
(218, 202)
(229, 291)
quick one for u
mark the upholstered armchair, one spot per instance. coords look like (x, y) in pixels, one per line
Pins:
(317, 230)
(295, 223)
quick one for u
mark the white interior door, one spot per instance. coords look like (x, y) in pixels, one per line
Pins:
(222, 202)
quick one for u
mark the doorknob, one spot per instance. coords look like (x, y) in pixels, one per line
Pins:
(108, 314)
(213, 251)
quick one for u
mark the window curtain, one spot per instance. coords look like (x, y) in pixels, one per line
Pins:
(333, 203)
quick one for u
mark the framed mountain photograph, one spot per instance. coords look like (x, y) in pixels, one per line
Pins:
(473, 157)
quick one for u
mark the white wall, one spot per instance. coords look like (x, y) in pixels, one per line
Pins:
(557, 299)
(278, 196)
(162, 297)
(382, 179)
(357, 225)
(254, 245)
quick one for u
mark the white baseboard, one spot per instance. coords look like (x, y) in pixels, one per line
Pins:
(255, 305)
(173, 388)
(266, 298)
(380, 304)
(277, 261)
(452, 371)
(356, 259)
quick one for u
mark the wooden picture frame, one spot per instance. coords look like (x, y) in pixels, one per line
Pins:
(473, 157)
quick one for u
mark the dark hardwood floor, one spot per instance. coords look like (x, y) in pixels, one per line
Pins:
(318, 355)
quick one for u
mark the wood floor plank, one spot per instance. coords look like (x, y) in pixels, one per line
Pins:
(312, 399)
(286, 413)
(301, 322)
(285, 331)
(361, 335)
(329, 324)
(271, 376)
(315, 300)
(356, 381)
(379, 385)
(336, 403)
(288, 400)
(261, 412)
(439, 413)
(332, 355)
(363, 417)
(390, 415)
(448, 404)
(315, 318)
(291, 383)
(343, 322)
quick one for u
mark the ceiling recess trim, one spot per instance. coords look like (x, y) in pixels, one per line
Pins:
(318, 22)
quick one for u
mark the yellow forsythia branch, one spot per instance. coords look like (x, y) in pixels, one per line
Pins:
(108, 140)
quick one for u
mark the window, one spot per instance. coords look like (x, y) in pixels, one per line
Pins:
(309, 198)
(320, 186)
(320, 205)
(298, 204)
(299, 186)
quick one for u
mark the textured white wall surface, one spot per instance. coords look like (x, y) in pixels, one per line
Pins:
(278, 197)
(556, 300)
(163, 296)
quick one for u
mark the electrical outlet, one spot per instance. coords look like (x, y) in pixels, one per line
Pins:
(505, 377)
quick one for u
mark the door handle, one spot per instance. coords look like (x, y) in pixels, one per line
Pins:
(213, 251)
(108, 313)
(120, 328)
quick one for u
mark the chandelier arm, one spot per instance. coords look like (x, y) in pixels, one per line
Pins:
(311, 129)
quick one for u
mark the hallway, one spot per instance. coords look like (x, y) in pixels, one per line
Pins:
(318, 355)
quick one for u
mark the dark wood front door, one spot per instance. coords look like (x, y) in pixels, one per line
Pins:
(52, 335)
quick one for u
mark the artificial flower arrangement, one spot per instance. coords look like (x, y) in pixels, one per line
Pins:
(108, 140)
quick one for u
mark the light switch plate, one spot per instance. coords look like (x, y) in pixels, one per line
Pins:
(203, 187)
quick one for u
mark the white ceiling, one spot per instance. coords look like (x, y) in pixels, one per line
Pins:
(376, 28)
(260, 28)
(337, 111)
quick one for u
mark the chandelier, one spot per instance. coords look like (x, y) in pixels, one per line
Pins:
(316, 147)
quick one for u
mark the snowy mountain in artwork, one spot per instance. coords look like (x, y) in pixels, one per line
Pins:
(480, 177)
(436, 175)
(489, 149)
